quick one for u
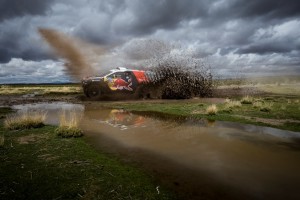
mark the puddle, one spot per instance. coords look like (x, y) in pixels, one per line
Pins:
(53, 109)
(259, 161)
(210, 160)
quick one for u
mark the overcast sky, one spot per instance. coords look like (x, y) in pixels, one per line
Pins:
(248, 36)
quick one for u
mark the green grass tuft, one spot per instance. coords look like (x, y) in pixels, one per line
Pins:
(67, 132)
(68, 125)
(247, 100)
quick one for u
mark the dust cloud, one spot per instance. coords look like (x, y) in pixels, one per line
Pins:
(176, 73)
(78, 63)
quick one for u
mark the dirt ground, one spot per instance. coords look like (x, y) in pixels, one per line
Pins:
(218, 95)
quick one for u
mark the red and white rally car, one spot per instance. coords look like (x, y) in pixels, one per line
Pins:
(161, 83)
(118, 81)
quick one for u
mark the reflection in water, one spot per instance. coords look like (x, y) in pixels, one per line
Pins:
(53, 110)
(211, 123)
(262, 162)
(123, 119)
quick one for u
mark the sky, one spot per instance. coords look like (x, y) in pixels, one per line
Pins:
(257, 37)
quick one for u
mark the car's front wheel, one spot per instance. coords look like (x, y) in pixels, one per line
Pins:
(93, 91)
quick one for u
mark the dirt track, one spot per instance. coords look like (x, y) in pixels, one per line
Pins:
(9, 100)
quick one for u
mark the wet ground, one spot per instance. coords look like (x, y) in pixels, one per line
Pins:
(198, 159)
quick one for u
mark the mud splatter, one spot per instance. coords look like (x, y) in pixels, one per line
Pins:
(173, 78)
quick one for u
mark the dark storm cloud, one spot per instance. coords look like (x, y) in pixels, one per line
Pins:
(265, 49)
(148, 16)
(266, 8)
(107, 21)
(16, 8)
(136, 18)
(231, 32)
(283, 38)
(18, 39)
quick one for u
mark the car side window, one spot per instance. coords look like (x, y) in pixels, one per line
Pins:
(116, 75)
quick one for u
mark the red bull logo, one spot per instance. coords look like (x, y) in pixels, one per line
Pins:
(120, 84)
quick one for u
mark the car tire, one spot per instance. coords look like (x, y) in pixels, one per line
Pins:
(93, 91)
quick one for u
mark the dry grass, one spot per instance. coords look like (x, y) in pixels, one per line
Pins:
(212, 109)
(230, 104)
(68, 125)
(288, 88)
(263, 106)
(233, 104)
(40, 90)
(25, 120)
(227, 100)
(247, 100)
(257, 104)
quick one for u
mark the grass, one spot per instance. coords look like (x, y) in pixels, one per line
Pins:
(68, 125)
(37, 164)
(278, 110)
(4, 111)
(264, 106)
(233, 104)
(278, 85)
(25, 120)
(212, 109)
(288, 89)
(230, 105)
(36, 90)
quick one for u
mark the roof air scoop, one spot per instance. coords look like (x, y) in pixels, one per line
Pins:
(121, 68)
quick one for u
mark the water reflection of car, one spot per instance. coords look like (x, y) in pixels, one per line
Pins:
(114, 117)
(126, 118)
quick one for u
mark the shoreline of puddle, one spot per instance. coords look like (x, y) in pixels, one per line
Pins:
(196, 158)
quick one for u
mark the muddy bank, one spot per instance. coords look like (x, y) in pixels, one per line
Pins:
(35, 97)
(10, 100)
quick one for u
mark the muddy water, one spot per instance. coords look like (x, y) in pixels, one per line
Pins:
(53, 110)
(199, 159)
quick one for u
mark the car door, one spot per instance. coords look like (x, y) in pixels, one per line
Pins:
(121, 82)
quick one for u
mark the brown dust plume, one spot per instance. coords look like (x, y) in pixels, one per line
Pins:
(65, 46)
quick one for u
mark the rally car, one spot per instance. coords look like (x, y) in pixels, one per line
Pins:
(119, 81)
(160, 83)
